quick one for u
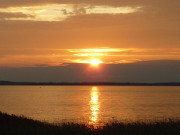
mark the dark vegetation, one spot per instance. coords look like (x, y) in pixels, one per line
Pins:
(91, 83)
(19, 125)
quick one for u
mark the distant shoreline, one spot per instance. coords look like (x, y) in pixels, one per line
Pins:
(91, 83)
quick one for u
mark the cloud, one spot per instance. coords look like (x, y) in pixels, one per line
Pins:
(60, 12)
(32, 57)
(15, 3)
(146, 71)
(156, 25)
(14, 16)
(135, 30)
(18, 3)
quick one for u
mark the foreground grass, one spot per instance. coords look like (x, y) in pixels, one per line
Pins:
(19, 125)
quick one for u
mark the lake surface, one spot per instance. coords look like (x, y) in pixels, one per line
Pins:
(91, 104)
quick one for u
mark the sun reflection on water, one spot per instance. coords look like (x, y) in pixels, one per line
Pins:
(94, 106)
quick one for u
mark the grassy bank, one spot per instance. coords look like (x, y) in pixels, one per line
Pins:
(18, 125)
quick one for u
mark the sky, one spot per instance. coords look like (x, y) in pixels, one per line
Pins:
(57, 35)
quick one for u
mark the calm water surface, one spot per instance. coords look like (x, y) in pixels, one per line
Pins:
(91, 104)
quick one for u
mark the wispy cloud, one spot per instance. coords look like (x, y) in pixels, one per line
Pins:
(56, 57)
(6, 15)
(60, 12)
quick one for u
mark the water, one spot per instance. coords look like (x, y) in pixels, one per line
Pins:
(90, 104)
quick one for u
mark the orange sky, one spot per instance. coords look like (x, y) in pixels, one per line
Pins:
(53, 32)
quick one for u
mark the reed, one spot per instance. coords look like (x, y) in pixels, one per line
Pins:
(20, 125)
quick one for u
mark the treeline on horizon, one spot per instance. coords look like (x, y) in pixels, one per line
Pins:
(91, 83)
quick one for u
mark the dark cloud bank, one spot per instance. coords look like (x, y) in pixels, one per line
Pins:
(149, 71)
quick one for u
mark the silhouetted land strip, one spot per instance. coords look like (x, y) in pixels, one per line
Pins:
(91, 83)
(19, 125)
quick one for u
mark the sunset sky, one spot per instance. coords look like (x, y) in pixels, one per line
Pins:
(59, 33)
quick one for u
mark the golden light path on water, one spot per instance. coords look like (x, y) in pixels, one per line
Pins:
(94, 106)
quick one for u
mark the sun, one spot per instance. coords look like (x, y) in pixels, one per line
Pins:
(95, 62)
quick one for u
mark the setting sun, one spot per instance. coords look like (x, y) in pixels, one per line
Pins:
(95, 62)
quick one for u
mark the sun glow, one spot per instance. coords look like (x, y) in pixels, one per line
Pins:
(92, 62)
(95, 62)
